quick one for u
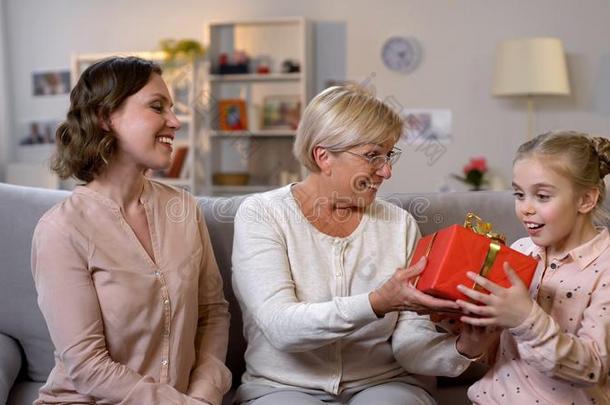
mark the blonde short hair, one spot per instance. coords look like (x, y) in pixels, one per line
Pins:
(343, 117)
(580, 157)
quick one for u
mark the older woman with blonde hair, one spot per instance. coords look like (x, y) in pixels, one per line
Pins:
(319, 270)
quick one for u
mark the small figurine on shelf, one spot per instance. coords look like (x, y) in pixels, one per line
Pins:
(236, 64)
(223, 59)
(263, 65)
(240, 58)
(291, 66)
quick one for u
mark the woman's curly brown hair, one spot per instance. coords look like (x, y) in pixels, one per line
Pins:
(83, 146)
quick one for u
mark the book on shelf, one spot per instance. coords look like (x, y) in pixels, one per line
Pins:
(178, 160)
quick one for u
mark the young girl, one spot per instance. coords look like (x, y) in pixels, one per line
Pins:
(124, 269)
(554, 346)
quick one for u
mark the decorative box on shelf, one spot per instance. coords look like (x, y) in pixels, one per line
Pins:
(232, 69)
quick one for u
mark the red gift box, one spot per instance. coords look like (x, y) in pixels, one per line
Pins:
(453, 251)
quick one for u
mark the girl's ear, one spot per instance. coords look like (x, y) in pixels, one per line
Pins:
(322, 158)
(588, 200)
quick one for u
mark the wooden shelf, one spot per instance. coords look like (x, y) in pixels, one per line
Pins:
(259, 188)
(178, 182)
(255, 77)
(184, 119)
(263, 133)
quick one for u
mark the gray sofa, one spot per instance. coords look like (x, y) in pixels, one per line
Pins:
(26, 351)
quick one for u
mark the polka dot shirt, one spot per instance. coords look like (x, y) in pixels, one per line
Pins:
(559, 354)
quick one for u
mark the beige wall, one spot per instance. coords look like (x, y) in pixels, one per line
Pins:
(458, 39)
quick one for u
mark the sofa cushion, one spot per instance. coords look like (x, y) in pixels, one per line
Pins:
(434, 211)
(219, 214)
(24, 393)
(10, 364)
(20, 318)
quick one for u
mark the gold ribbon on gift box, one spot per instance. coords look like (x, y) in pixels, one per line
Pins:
(480, 227)
(477, 225)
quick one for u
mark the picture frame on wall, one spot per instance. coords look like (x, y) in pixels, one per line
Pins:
(232, 115)
(281, 112)
(427, 125)
(50, 82)
(40, 132)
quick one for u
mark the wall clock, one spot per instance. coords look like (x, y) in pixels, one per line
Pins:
(401, 54)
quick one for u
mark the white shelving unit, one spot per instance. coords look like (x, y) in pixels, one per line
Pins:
(182, 80)
(227, 191)
(256, 77)
(270, 133)
(264, 153)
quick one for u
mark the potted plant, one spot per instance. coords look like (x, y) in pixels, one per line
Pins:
(474, 173)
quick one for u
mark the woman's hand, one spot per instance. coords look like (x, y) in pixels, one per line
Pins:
(448, 322)
(475, 341)
(504, 307)
(399, 294)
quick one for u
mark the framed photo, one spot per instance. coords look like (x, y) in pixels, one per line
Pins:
(281, 112)
(232, 115)
(50, 83)
(39, 132)
(426, 125)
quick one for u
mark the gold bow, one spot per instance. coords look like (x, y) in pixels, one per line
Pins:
(477, 225)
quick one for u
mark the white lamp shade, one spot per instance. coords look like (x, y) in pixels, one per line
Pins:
(532, 66)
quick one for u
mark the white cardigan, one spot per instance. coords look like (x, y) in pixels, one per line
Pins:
(304, 296)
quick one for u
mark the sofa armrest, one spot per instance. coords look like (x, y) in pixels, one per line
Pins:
(10, 364)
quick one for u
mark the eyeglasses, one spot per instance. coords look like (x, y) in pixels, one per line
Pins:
(378, 161)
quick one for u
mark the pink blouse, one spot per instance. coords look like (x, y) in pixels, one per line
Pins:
(127, 329)
(559, 354)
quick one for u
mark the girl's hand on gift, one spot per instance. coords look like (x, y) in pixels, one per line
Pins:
(399, 294)
(504, 307)
(475, 341)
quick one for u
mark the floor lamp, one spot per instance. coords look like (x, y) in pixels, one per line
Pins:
(530, 67)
